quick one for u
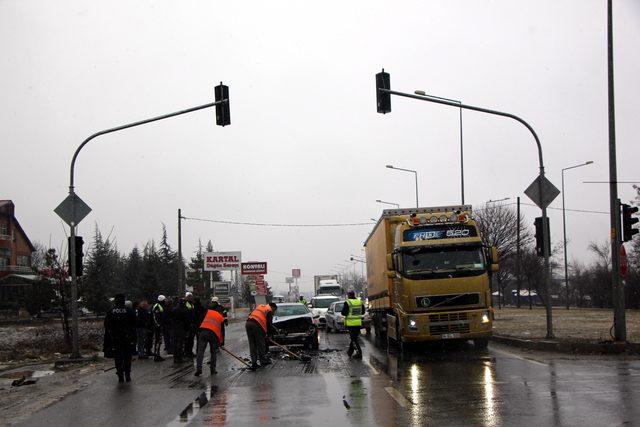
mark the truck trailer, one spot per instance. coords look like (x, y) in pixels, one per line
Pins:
(428, 275)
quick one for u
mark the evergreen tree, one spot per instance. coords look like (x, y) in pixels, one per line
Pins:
(150, 282)
(132, 274)
(195, 276)
(103, 274)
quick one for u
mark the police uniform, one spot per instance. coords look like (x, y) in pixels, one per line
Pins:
(353, 310)
(120, 326)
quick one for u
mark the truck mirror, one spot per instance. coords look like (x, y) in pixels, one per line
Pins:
(390, 265)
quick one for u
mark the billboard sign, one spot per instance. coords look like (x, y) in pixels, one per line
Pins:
(295, 272)
(217, 261)
(254, 268)
(221, 288)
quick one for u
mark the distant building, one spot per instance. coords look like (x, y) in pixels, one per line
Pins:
(15, 255)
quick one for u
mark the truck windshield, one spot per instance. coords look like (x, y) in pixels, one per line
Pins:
(455, 261)
(329, 290)
(323, 302)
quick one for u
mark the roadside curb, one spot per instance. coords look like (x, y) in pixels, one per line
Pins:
(568, 346)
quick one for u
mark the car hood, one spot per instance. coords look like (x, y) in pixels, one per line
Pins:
(280, 319)
(319, 311)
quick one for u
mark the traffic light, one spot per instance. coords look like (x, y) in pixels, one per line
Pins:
(383, 81)
(627, 222)
(78, 255)
(540, 233)
(223, 113)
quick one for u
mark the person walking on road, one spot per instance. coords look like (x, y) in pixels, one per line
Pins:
(142, 325)
(159, 324)
(120, 326)
(211, 332)
(352, 311)
(181, 319)
(259, 325)
(193, 325)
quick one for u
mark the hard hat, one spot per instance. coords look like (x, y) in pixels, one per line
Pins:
(188, 294)
(161, 298)
(215, 299)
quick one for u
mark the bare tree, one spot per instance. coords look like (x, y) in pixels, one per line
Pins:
(499, 227)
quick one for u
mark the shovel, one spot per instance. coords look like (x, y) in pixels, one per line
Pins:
(304, 358)
(234, 356)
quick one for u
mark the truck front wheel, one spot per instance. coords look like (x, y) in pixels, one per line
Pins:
(481, 343)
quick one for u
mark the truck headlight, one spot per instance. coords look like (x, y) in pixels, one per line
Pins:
(413, 324)
(485, 317)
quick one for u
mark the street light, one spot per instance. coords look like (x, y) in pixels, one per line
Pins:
(564, 230)
(73, 215)
(388, 203)
(423, 93)
(408, 170)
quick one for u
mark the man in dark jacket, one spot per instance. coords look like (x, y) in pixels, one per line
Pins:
(120, 326)
(158, 315)
(181, 320)
(143, 320)
(193, 325)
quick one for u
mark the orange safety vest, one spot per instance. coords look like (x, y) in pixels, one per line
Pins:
(213, 321)
(260, 316)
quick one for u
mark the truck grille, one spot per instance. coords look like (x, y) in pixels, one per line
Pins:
(429, 301)
(446, 323)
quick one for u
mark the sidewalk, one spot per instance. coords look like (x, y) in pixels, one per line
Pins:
(576, 330)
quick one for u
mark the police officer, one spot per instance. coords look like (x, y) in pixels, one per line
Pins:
(193, 324)
(120, 326)
(211, 332)
(352, 310)
(181, 319)
(259, 325)
(158, 316)
(302, 300)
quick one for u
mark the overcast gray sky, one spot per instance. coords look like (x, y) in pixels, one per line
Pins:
(306, 144)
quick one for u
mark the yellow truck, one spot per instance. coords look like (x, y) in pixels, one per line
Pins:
(428, 276)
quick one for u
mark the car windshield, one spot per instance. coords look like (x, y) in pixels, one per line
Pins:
(419, 261)
(323, 302)
(338, 307)
(291, 310)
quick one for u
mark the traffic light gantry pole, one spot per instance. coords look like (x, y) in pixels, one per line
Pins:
(222, 117)
(382, 80)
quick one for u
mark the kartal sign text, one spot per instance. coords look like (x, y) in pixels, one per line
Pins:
(222, 261)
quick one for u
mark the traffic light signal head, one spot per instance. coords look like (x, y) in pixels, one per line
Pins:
(628, 221)
(541, 230)
(383, 99)
(223, 112)
(77, 255)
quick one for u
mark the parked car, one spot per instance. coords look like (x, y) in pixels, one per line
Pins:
(319, 306)
(335, 320)
(296, 325)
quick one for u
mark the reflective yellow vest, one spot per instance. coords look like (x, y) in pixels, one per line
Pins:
(354, 318)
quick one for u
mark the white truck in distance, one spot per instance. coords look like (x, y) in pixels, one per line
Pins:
(327, 284)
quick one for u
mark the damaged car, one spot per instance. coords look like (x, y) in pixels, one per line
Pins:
(295, 325)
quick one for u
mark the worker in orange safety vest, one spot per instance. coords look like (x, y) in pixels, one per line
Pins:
(211, 332)
(259, 325)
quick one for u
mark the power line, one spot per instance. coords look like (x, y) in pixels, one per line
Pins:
(260, 224)
(569, 210)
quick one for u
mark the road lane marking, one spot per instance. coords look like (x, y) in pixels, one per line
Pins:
(374, 370)
(398, 397)
(526, 359)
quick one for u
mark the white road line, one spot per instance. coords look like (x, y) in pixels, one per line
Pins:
(526, 359)
(398, 397)
(374, 370)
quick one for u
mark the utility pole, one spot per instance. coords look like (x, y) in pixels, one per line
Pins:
(180, 266)
(518, 259)
(619, 322)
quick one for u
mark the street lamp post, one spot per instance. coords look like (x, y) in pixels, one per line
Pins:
(388, 203)
(564, 231)
(416, 175)
(383, 99)
(423, 93)
(75, 354)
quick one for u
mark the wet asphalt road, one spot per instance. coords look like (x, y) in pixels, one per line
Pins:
(455, 385)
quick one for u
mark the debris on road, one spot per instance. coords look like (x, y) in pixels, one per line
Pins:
(345, 403)
(23, 381)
